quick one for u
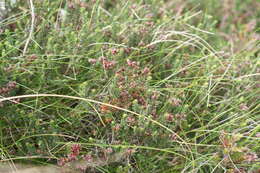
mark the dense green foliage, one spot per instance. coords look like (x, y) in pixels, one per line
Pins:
(183, 77)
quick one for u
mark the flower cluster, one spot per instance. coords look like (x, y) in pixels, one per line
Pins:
(11, 85)
(107, 64)
(132, 63)
(8, 87)
(130, 82)
(175, 117)
(251, 157)
(175, 102)
(73, 155)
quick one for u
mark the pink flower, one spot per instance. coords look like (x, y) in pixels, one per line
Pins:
(75, 148)
(81, 168)
(243, 107)
(92, 61)
(107, 64)
(72, 156)
(130, 120)
(61, 161)
(169, 117)
(11, 84)
(175, 102)
(127, 50)
(251, 157)
(173, 137)
(114, 51)
(257, 135)
(88, 158)
(130, 151)
(131, 63)
(146, 70)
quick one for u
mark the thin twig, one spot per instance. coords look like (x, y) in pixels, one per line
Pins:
(31, 28)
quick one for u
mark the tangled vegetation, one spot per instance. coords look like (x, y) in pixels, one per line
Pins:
(131, 86)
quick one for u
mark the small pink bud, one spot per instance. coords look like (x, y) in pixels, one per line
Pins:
(243, 107)
(92, 61)
(169, 117)
(131, 63)
(61, 162)
(72, 156)
(258, 135)
(173, 137)
(130, 151)
(114, 51)
(251, 157)
(175, 102)
(146, 70)
(88, 158)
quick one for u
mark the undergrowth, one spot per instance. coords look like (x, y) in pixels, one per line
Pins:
(132, 86)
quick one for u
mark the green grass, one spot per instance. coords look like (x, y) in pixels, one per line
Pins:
(142, 86)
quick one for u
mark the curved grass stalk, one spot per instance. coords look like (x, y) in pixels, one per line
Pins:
(182, 141)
